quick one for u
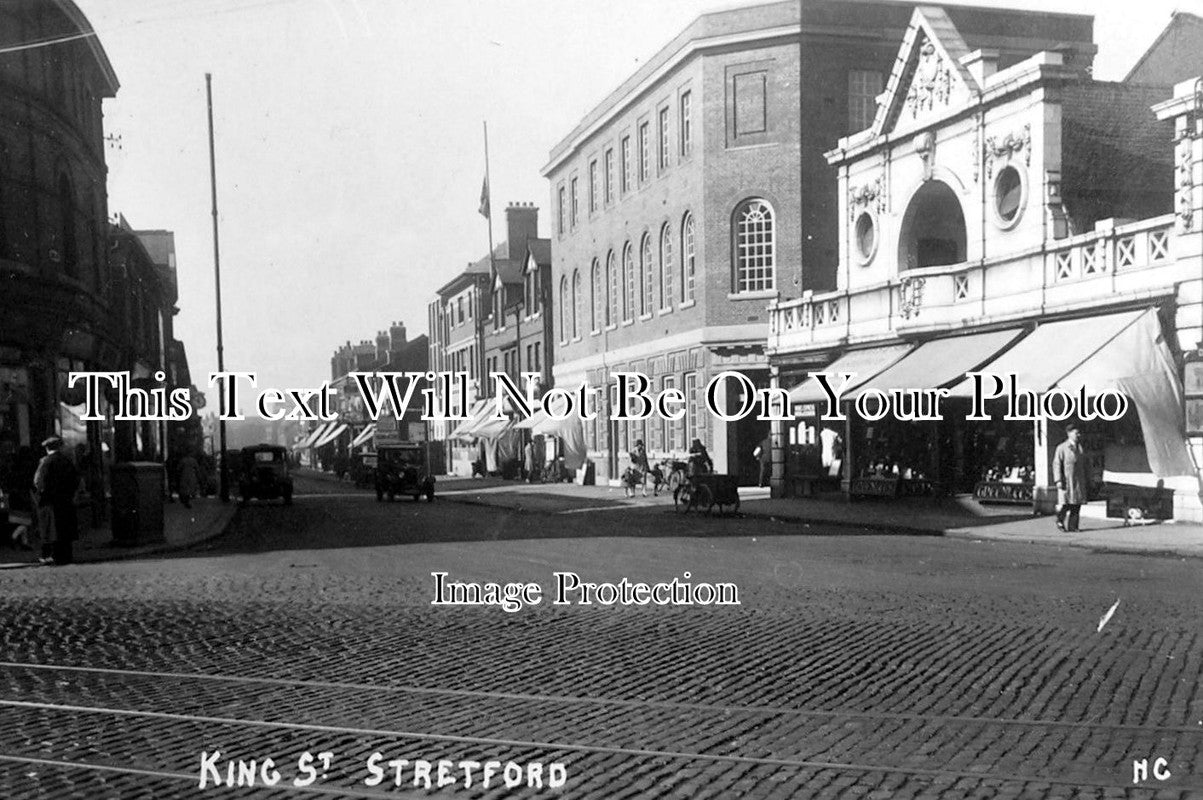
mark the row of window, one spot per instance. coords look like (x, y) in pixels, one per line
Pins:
(64, 247)
(620, 289)
(658, 433)
(644, 281)
(608, 180)
(512, 363)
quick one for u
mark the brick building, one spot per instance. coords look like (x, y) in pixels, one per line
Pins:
(56, 292)
(697, 192)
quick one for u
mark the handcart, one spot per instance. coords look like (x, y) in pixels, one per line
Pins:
(704, 492)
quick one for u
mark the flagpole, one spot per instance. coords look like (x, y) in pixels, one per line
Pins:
(223, 479)
(492, 266)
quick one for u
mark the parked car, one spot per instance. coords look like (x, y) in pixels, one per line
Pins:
(402, 469)
(263, 473)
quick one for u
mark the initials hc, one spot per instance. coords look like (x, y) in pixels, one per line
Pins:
(1140, 770)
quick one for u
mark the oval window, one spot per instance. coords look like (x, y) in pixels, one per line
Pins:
(866, 236)
(1008, 194)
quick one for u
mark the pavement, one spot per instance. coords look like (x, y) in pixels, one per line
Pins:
(960, 517)
(182, 528)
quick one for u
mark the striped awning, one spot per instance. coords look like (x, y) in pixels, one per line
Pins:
(313, 436)
(331, 434)
(364, 435)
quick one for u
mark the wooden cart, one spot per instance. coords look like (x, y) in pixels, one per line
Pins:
(704, 492)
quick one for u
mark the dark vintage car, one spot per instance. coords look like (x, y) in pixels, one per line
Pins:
(402, 469)
(263, 473)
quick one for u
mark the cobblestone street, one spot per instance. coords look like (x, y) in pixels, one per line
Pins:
(855, 666)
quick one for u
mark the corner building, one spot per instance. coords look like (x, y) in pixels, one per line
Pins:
(696, 193)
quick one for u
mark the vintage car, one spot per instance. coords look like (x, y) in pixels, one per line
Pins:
(262, 472)
(402, 469)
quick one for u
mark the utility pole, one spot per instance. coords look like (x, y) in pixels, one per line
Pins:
(223, 472)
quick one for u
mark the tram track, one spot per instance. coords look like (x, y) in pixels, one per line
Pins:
(725, 737)
(606, 701)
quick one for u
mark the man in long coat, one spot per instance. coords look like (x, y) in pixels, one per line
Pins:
(1069, 473)
(56, 482)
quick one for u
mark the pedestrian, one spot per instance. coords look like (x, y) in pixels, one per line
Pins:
(528, 461)
(55, 484)
(188, 478)
(764, 454)
(1069, 473)
(640, 466)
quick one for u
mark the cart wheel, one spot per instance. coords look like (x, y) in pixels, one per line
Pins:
(674, 481)
(704, 498)
(683, 498)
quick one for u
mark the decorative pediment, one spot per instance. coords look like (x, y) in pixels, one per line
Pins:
(928, 78)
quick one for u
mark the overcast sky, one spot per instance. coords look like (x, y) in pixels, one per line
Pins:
(349, 144)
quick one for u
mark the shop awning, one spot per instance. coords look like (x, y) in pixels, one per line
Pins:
(364, 436)
(534, 419)
(1125, 352)
(940, 362)
(864, 363)
(480, 411)
(313, 436)
(1052, 351)
(331, 434)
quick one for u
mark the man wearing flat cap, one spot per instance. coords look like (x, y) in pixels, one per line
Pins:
(55, 483)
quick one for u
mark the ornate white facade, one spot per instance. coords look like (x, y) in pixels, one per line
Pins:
(985, 201)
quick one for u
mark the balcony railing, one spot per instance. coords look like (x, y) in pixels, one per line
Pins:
(1105, 266)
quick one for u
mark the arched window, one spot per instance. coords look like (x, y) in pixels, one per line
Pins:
(647, 275)
(629, 277)
(611, 289)
(755, 256)
(688, 259)
(564, 308)
(666, 267)
(597, 310)
(577, 312)
(66, 210)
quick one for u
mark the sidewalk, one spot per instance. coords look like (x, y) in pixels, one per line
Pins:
(182, 528)
(962, 518)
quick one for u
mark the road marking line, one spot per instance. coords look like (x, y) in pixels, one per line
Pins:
(638, 752)
(602, 701)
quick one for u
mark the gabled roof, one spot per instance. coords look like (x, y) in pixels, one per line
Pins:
(927, 73)
(540, 251)
(1181, 22)
(508, 272)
